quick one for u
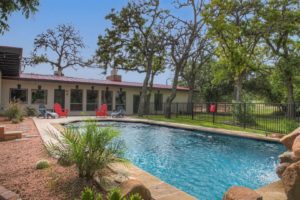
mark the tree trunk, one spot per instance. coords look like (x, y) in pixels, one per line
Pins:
(59, 71)
(173, 94)
(148, 97)
(141, 110)
(290, 97)
(238, 89)
(191, 94)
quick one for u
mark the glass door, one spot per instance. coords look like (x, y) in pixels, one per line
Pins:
(59, 97)
(136, 103)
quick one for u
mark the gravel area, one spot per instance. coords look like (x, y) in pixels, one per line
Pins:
(18, 173)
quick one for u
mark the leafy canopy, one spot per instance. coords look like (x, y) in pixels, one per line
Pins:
(7, 7)
(137, 36)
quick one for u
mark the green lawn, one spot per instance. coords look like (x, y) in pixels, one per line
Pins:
(182, 120)
(263, 125)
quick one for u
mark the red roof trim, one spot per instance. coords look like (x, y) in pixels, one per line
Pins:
(65, 79)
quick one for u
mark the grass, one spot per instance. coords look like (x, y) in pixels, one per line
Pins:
(263, 125)
(189, 121)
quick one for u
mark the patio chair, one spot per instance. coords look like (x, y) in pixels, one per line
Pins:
(118, 113)
(102, 111)
(61, 112)
(44, 113)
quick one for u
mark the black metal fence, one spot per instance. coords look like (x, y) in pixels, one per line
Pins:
(268, 117)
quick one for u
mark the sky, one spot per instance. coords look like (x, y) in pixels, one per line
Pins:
(87, 16)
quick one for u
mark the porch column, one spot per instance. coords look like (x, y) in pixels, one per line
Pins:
(84, 91)
(113, 100)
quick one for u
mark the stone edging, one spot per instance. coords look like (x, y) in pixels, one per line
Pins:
(6, 194)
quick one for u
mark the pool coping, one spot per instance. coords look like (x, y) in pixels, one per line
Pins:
(159, 189)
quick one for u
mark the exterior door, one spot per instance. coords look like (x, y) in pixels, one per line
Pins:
(59, 97)
(136, 103)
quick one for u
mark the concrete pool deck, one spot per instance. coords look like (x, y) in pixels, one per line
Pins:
(159, 189)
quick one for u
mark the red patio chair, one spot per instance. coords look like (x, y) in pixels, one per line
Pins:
(102, 111)
(61, 112)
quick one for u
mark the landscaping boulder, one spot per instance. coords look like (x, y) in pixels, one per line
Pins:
(110, 181)
(288, 140)
(241, 193)
(281, 168)
(133, 186)
(291, 181)
(296, 147)
(288, 157)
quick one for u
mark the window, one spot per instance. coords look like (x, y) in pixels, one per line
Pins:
(59, 97)
(76, 100)
(107, 97)
(158, 102)
(18, 95)
(121, 100)
(39, 96)
(91, 100)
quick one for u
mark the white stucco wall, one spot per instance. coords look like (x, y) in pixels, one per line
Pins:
(50, 86)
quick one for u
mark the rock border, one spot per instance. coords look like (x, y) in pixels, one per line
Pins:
(6, 194)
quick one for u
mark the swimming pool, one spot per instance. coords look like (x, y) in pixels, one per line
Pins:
(202, 164)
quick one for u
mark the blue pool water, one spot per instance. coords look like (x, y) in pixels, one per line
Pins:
(202, 164)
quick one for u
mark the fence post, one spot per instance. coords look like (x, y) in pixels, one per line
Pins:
(245, 107)
(192, 111)
(213, 113)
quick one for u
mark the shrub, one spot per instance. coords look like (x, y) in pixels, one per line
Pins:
(242, 113)
(90, 148)
(30, 111)
(89, 194)
(14, 112)
(42, 164)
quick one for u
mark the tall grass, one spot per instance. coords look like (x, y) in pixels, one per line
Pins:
(14, 112)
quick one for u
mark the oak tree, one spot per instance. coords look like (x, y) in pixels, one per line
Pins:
(134, 41)
(181, 41)
(60, 47)
(281, 22)
(233, 25)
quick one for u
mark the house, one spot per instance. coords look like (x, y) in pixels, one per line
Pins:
(79, 95)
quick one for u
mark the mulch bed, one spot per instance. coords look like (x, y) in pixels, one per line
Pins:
(18, 173)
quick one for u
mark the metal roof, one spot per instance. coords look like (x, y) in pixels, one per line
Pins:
(10, 60)
(74, 80)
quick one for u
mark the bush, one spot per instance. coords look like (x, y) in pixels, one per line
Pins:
(42, 164)
(242, 113)
(14, 112)
(30, 112)
(90, 148)
(89, 194)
